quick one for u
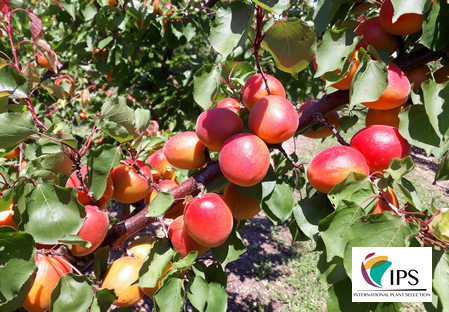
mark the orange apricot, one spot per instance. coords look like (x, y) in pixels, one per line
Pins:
(68, 79)
(389, 117)
(382, 205)
(242, 207)
(159, 162)
(229, 103)
(185, 151)
(6, 218)
(417, 76)
(129, 186)
(406, 24)
(181, 239)
(375, 35)
(255, 89)
(141, 247)
(13, 154)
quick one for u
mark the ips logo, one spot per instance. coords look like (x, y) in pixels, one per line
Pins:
(391, 274)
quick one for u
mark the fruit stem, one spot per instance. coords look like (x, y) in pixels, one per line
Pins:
(324, 123)
(395, 209)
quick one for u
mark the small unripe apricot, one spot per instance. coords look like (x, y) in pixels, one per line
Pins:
(119, 276)
(396, 93)
(185, 151)
(273, 119)
(244, 159)
(255, 89)
(333, 118)
(242, 207)
(214, 126)
(380, 144)
(333, 165)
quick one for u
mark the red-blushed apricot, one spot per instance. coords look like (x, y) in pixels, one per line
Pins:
(185, 151)
(333, 165)
(242, 207)
(49, 271)
(382, 205)
(68, 79)
(406, 24)
(6, 218)
(417, 76)
(345, 83)
(442, 74)
(129, 186)
(94, 230)
(208, 220)
(244, 159)
(214, 126)
(389, 117)
(159, 162)
(333, 118)
(379, 144)
(255, 89)
(229, 103)
(375, 35)
(119, 276)
(150, 291)
(181, 239)
(13, 154)
(74, 182)
(141, 247)
(273, 119)
(396, 93)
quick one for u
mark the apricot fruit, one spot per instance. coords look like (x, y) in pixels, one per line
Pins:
(141, 247)
(119, 276)
(208, 220)
(255, 89)
(333, 118)
(68, 79)
(214, 126)
(406, 24)
(229, 103)
(273, 119)
(6, 218)
(417, 76)
(43, 62)
(382, 205)
(164, 186)
(49, 271)
(159, 162)
(185, 151)
(389, 117)
(333, 165)
(13, 154)
(244, 159)
(74, 182)
(129, 186)
(181, 239)
(150, 291)
(242, 207)
(345, 83)
(94, 229)
(397, 90)
(379, 144)
(375, 35)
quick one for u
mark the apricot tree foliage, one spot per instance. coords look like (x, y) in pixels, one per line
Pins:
(137, 61)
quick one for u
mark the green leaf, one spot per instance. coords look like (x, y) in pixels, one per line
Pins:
(346, 122)
(31, 74)
(231, 249)
(52, 212)
(70, 7)
(55, 90)
(309, 212)
(100, 162)
(436, 103)
(330, 272)
(72, 293)
(103, 300)
(186, 262)
(292, 43)
(15, 303)
(363, 89)
(206, 85)
(142, 119)
(356, 187)
(101, 261)
(262, 189)
(20, 127)
(275, 6)
(408, 190)
(117, 111)
(117, 131)
(12, 83)
(325, 11)
(442, 173)
(378, 230)
(432, 36)
(440, 274)
(197, 292)
(170, 297)
(397, 168)
(89, 12)
(45, 175)
(416, 128)
(408, 6)
(5, 203)
(218, 298)
(160, 204)
(17, 252)
(231, 27)
(71, 239)
(160, 255)
(279, 203)
(340, 44)
(334, 229)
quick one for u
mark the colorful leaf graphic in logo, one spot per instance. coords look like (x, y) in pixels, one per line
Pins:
(377, 267)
